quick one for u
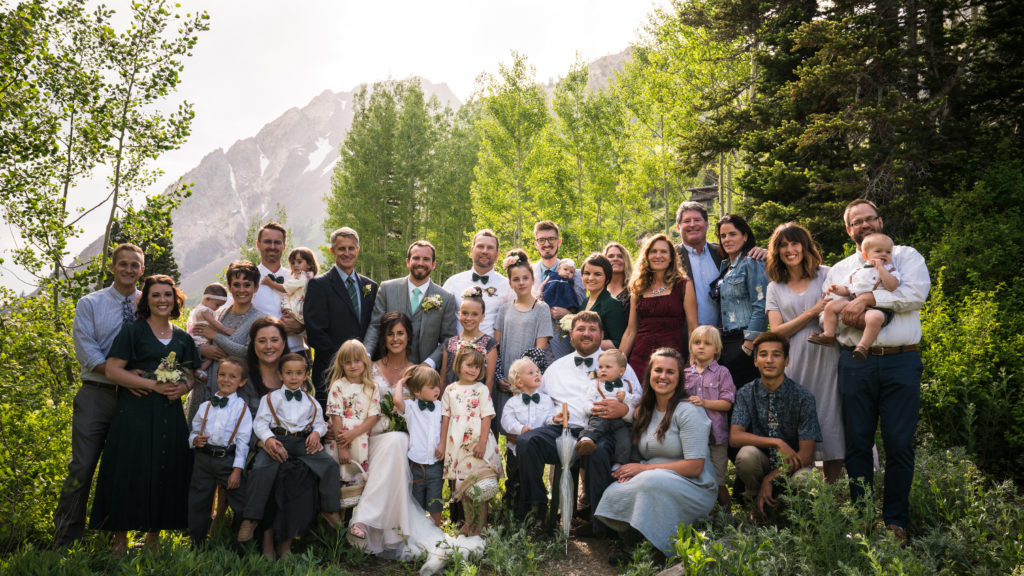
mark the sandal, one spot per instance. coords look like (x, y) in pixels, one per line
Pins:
(860, 353)
(356, 535)
(822, 339)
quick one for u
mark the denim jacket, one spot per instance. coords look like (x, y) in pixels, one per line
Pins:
(743, 291)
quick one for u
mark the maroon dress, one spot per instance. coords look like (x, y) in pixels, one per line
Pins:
(661, 321)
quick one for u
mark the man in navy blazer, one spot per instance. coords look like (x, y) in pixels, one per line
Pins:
(431, 308)
(338, 307)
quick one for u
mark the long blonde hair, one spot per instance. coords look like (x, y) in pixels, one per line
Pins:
(353, 350)
(627, 262)
(643, 276)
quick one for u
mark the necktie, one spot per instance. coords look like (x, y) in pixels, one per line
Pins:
(127, 310)
(535, 397)
(293, 395)
(426, 405)
(613, 384)
(415, 302)
(581, 360)
(350, 284)
(218, 402)
(480, 279)
(275, 278)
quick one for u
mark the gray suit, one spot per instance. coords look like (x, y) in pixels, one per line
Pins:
(430, 328)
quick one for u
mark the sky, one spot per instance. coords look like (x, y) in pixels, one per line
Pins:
(262, 57)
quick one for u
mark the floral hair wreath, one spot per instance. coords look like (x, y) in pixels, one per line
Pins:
(513, 260)
(473, 291)
(476, 345)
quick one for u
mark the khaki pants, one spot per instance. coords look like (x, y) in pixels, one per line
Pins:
(752, 467)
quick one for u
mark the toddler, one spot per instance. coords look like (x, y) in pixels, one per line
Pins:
(528, 408)
(353, 406)
(709, 385)
(302, 266)
(558, 291)
(470, 452)
(611, 366)
(422, 414)
(290, 424)
(877, 271)
(214, 296)
(220, 436)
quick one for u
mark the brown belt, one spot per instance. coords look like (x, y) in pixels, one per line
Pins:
(103, 385)
(885, 351)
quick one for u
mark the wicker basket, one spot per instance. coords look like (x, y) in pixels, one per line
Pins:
(350, 495)
(483, 490)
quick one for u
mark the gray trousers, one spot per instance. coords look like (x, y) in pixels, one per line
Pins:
(620, 431)
(207, 473)
(264, 473)
(93, 410)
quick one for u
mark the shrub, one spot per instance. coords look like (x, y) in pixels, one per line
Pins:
(970, 392)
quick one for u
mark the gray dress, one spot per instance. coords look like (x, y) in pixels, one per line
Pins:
(812, 366)
(235, 345)
(677, 499)
(519, 333)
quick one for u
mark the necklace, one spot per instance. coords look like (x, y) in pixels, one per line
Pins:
(657, 291)
(162, 332)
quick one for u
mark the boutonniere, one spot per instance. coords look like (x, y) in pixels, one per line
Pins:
(566, 322)
(491, 291)
(366, 289)
(431, 302)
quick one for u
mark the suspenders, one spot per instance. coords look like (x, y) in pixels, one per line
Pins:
(241, 416)
(277, 421)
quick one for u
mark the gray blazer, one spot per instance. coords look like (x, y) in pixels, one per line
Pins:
(430, 328)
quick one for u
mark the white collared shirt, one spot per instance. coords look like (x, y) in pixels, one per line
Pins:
(631, 388)
(293, 416)
(497, 293)
(268, 301)
(906, 301)
(424, 431)
(220, 425)
(517, 415)
(564, 381)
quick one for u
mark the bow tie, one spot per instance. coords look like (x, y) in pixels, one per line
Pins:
(613, 384)
(481, 279)
(278, 279)
(218, 402)
(426, 405)
(535, 397)
(293, 395)
(581, 360)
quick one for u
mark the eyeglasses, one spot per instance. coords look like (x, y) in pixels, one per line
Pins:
(862, 221)
(547, 240)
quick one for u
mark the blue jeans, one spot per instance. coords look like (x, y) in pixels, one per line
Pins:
(886, 389)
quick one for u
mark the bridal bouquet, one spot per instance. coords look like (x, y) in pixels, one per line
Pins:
(169, 371)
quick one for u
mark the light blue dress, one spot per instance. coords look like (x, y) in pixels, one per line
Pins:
(655, 502)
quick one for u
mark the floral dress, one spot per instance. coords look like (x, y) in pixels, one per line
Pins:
(466, 407)
(352, 402)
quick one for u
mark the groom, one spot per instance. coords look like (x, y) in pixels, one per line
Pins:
(431, 308)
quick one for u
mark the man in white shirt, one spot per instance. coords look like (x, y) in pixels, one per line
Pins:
(567, 380)
(430, 307)
(887, 386)
(270, 241)
(497, 292)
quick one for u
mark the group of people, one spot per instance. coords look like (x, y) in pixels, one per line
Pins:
(354, 394)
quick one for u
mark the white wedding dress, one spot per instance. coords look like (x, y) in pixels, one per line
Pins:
(396, 526)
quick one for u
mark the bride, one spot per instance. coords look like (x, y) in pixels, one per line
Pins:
(387, 521)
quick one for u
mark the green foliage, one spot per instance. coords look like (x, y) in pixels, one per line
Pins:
(403, 175)
(973, 362)
(37, 382)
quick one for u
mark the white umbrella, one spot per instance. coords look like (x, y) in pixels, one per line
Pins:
(565, 446)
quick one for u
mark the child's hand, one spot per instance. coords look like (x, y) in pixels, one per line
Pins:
(557, 419)
(235, 480)
(266, 281)
(313, 444)
(200, 440)
(480, 447)
(696, 400)
(345, 437)
(621, 395)
(344, 456)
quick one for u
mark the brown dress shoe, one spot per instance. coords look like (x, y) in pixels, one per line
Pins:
(899, 534)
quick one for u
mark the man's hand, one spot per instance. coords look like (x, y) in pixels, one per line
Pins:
(758, 253)
(291, 325)
(764, 495)
(789, 456)
(856, 307)
(609, 408)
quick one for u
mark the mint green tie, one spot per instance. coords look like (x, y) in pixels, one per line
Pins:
(415, 299)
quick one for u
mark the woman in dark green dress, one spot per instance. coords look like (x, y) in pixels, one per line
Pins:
(144, 475)
(596, 272)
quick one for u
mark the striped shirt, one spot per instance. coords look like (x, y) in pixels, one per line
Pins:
(98, 320)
